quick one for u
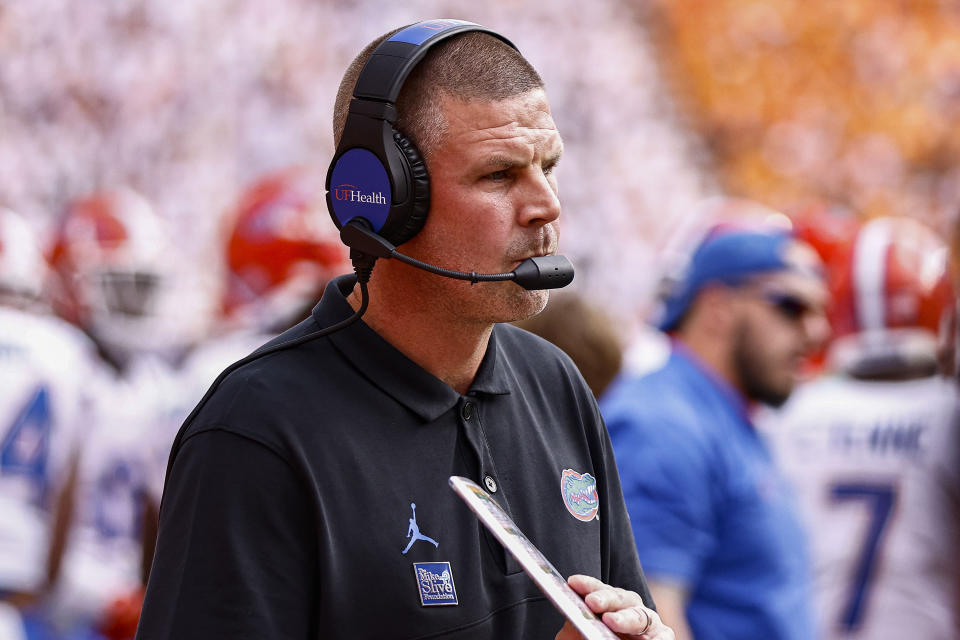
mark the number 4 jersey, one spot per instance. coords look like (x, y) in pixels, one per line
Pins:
(44, 371)
(875, 467)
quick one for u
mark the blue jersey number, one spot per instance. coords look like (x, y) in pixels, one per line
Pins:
(120, 501)
(880, 498)
(26, 444)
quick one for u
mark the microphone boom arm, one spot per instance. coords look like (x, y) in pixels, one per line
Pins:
(473, 276)
(541, 272)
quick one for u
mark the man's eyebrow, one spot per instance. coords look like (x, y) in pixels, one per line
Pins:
(500, 161)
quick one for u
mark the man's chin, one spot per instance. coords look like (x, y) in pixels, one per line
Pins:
(769, 390)
(526, 305)
(774, 397)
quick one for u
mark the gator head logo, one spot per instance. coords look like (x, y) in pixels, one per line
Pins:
(580, 494)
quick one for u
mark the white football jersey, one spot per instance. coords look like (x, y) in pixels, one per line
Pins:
(103, 558)
(863, 457)
(46, 366)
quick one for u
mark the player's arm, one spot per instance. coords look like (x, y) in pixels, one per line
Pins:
(60, 524)
(63, 512)
(148, 541)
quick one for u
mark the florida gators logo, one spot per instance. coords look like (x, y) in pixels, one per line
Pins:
(580, 494)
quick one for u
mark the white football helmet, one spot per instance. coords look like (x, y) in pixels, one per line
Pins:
(120, 278)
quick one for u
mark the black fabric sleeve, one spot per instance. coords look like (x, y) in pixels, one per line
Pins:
(236, 553)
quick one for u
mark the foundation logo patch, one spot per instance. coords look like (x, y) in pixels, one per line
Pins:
(435, 583)
(580, 494)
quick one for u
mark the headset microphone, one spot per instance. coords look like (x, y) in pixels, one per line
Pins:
(541, 272)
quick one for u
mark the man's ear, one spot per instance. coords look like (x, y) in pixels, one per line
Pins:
(715, 310)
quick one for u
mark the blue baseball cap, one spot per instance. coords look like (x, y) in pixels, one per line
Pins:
(727, 255)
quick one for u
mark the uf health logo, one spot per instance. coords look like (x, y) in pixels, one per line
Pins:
(435, 581)
(371, 199)
(350, 193)
(580, 494)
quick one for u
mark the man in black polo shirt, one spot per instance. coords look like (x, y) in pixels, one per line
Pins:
(308, 498)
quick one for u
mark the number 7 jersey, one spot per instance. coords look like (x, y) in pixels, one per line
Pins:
(875, 468)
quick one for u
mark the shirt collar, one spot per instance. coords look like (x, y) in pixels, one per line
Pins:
(493, 375)
(393, 372)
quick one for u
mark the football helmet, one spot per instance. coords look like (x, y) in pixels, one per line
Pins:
(282, 249)
(23, 268)
(893, 299)
(117, 277)
(830, 229)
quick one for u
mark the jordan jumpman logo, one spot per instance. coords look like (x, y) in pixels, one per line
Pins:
(413, 532)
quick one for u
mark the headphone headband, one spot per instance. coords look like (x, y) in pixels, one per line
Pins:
(392, 61)
(377, 173)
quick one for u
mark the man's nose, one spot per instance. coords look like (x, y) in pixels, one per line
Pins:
(539, 203)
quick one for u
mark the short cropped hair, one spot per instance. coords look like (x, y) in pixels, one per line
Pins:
(469, 66)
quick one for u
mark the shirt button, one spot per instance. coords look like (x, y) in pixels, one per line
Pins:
(490, 483)
(466, 411)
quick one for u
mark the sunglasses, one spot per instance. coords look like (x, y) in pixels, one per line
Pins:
(789, 306)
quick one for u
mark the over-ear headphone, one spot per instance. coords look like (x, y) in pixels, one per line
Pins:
(377, 173)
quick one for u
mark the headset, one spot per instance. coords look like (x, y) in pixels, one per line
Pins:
(376, 172)
(378, 189)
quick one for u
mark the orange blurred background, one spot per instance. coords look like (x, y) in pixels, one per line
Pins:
(856, 102)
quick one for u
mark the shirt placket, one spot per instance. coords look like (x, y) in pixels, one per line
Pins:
(487, 476)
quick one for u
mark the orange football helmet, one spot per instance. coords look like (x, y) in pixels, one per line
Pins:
(830, 229)
(893, 299)
(281, 250)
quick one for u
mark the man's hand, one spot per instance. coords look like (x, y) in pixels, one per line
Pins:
(621, 610)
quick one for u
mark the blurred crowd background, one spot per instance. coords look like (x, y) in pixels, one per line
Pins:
(192, 108)
(659, 103)
(188, 103)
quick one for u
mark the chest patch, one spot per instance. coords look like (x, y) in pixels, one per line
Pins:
(413, 532)
(580, 494)
(435, 583)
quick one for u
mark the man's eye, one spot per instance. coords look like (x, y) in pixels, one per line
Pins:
(497, 176)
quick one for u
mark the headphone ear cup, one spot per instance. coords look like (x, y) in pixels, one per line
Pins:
(419, 188)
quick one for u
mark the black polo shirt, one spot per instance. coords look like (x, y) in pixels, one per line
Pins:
(289, 511)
